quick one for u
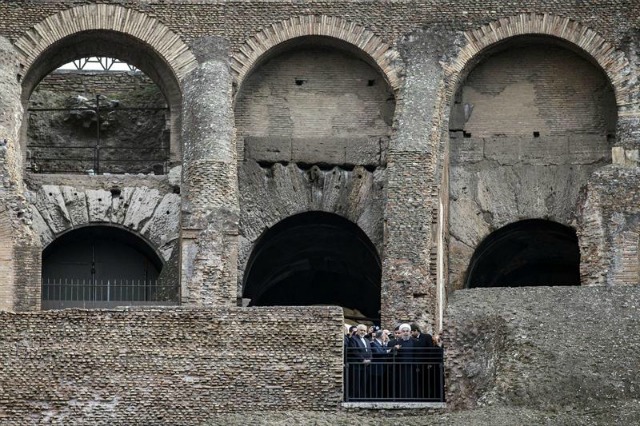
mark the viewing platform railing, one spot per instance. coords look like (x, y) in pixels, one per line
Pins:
(106, 293)
(404, 375)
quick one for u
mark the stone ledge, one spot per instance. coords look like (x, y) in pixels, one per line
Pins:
(382, 405)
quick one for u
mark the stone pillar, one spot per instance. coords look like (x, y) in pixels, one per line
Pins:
(20, 251)
(210, 208)
(408, 291)
(625, 152)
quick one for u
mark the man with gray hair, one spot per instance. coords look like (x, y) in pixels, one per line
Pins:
(359, 360)
(404, 358)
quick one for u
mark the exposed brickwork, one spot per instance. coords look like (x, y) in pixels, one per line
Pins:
(172, 366)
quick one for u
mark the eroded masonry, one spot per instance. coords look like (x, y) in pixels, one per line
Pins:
(270, 170)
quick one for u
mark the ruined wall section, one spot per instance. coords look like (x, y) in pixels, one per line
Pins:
(546, 348)
(171, 366)
(528, 128)
(134, 124)
(209, 208)
(19, 258)
(609, 228)
(313, 129)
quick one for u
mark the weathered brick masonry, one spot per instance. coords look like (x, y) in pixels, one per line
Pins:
(174, 366)
(245, 156)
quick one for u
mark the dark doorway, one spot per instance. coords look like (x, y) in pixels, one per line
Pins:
(315, 258)
(527, 253)
(101, 266)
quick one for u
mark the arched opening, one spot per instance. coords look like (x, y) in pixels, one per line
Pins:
(315, 258)
(530, 122)
(102, 266)
(531, 252)
(315, 100)
(114, 121)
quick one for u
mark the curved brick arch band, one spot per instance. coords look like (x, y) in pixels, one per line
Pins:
(112, 18)
(612, 61)
(255, 47)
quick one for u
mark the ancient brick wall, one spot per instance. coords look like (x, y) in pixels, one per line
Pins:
(172, 366)
(528, 129)
(239, 20)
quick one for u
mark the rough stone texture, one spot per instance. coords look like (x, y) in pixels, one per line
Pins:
(19, 260)
(409, 270)
(170, 366)
(608, 227)
(209, 181)
(131, 140)
(544, 348)
(429, 48)
(315, 105)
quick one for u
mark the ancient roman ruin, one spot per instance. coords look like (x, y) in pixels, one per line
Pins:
(197, 194)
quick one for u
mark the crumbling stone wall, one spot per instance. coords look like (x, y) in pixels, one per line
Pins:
(313, 127)
(20, 257)
(171, 366)
(609, 228)
(529, 126)
(547, 348)
(147, 206)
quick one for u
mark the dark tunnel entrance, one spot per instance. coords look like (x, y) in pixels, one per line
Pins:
(102, 267)
(527, 253)
(315, 258)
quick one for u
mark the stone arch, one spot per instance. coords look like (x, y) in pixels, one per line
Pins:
(103, 265)
(147, 212)
(253, 50)
(479, 42)
(312, 258)
(612, 61)
(162, 40)
(109, 30)
(525, 253)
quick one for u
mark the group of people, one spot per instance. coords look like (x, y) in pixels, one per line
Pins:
(406, 366)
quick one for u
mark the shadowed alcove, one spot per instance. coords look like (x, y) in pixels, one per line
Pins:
(101, 267)
(526, 253)
(315, 258)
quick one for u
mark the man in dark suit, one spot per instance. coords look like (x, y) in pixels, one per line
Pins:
(359, 361)
(424, 371)
(404, 368)
(380, 365)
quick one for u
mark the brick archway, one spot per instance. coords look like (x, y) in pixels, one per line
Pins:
(114, 31)
(105, 17)
(251, 52)
(612, 61)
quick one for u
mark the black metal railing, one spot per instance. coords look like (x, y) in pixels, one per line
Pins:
(407, 375)
(104, 293)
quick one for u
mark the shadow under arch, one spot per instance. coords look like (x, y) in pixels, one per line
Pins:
(315, 258)
(532, 252)
(100, 266)
(114, 44)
